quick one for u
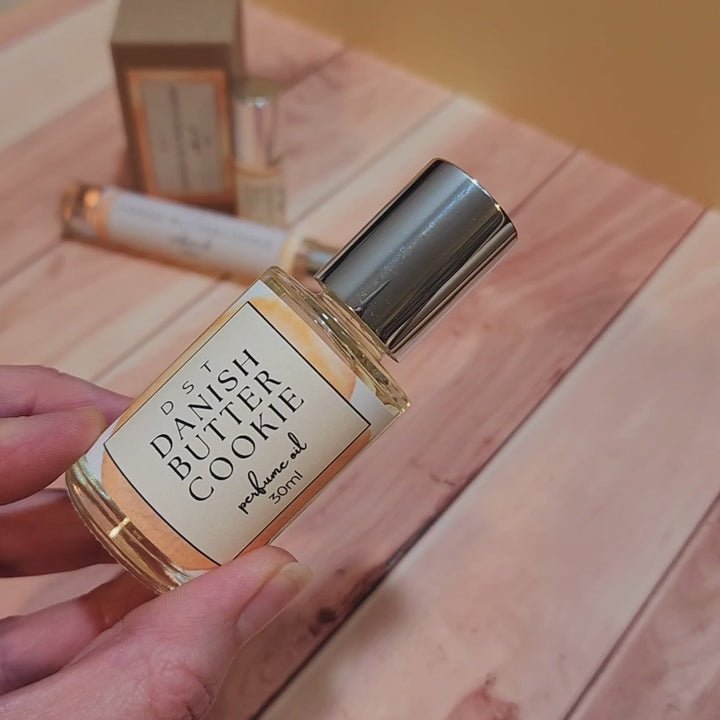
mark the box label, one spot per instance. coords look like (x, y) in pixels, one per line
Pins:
(182, 128)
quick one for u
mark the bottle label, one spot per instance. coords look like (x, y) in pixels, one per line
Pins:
(240, 433)
(191, 235)
(182, 128)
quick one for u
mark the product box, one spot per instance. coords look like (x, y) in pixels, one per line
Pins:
(175, 62)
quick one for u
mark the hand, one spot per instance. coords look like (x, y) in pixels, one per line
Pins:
(115, 652)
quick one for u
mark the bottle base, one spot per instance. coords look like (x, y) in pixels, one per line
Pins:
(116, 533)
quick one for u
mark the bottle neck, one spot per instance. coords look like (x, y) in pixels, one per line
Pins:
(361, 334)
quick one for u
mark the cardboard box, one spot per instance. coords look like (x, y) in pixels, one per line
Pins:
(175, 62)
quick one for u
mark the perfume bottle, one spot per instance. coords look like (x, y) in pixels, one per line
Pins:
(259, 179)
(284, 389)
(199, 239)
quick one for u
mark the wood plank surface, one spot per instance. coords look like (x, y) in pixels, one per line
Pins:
(134, 372)
(668, 665)
(62, 64)
(29, 16)
(345, 116)
(590, 236)
(282, 49)
(510, 603)
(508, 157)
(88, 143)
(521, 592)
(34, 172)
(87, 306)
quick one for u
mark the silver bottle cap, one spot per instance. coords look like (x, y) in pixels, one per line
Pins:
(256, 119)
(419, 254)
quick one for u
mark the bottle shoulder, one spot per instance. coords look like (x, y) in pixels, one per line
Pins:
(343, 334)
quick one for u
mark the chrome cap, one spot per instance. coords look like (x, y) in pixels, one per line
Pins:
(419, 254)
(256, 120)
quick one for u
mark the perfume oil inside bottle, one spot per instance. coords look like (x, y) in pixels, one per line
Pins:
(284, 389)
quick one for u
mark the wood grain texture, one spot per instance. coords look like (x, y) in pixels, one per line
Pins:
(516, 595)
(590, 236)
(668, 665)
(34, 172)
(31, 15)
(294, 50)
(78, 307)
(92, 147)
(345, 116)
(62, 64)
(509, 158)
(133, 373)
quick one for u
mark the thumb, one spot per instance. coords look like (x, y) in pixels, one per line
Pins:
(167, 658)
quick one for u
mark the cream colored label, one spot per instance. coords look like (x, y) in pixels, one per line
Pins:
(181, 127)
(238, 432)
(192, 235)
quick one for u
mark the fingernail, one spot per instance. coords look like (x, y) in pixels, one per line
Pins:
(272, 598)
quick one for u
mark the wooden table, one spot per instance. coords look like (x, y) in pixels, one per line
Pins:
(539, 538)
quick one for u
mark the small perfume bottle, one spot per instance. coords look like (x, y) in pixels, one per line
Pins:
(284, 389)
(202, 240)
(259, 179)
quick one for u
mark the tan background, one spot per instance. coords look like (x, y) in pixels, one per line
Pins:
(636, 81)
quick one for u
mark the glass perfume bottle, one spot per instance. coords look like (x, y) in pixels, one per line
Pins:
(259, 177)
(202, 240)
(284, 389)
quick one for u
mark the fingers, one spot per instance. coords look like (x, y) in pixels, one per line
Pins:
(37, 645)
(167, 658)
(33, 390)
(47, 421)
(35, 450)
(43, 534)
